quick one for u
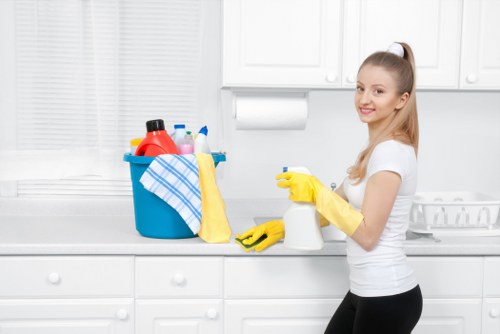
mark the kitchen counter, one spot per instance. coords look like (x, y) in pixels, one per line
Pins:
(114, 234)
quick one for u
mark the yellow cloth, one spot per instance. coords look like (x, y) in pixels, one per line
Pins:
(214, 224)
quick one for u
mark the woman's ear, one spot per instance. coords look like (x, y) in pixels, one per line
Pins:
(403, 99)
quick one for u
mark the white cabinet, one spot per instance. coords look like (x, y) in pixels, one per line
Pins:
(491, 316)
(282, 43)
(225, 294)
(452, 289)
(286, 277)
(282, 294)
(321, 43)
(279, 316)
(480, 67)
(431, 27)
(179, 316)
(66, 276)
(67, 316)
(66, 294)
(491, 302)
(450, 316)
(179, 294)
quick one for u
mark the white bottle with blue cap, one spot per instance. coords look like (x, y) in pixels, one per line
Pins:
(302, 225)
(179, 134)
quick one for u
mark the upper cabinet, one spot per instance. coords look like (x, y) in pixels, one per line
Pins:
(321, 43)
(282, 43)
(431, 27)
(481, 45)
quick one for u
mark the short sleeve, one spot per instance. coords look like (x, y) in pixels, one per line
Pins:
(391, 156)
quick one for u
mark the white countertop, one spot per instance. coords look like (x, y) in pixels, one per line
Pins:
(114, 234)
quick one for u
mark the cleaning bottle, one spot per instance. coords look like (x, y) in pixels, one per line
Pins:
(302, 226)
(187, 145)
(201, 143)
(157, 140)
(178, 135)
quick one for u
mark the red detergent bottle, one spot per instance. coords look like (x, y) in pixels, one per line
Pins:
(157, 140)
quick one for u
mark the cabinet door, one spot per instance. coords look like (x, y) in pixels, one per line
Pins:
(278, 316)
(491, 316)
(446, 277)
(491, 277)
(68, 316)
(430, 27)
(452, 316)
(179, 316)
(281, 43)
(481, 48)
(301, 277)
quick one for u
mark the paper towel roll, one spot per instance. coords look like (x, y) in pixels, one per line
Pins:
(282, 112)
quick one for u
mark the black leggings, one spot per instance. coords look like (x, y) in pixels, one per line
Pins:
(397, 314)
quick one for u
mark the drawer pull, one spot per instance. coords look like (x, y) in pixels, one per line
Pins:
(212, 313)
(122, 314)
(54, 278)
(471, 78)
(179, 279)
(351, 79)
(331, 77)
(494, 313)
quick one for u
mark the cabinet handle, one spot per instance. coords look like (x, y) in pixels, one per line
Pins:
(212, 313)
(471, 78)
(494, 313)
(122, 314)
(350, 79)
(179, 279)
(54, 278)
(331, 77)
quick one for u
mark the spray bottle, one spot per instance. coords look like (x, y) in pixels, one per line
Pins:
(302, 226)
(201, 143)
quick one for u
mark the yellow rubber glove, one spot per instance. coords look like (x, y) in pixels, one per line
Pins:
(262, 236)
(303, 187)
(307, 188)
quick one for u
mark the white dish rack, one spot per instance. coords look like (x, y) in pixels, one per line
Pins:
(455, 213)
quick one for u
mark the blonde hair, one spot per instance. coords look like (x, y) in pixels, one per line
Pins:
(404, 125)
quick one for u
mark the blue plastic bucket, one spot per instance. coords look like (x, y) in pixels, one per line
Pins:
(153, 217)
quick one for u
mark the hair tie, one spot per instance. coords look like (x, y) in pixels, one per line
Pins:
(397, 49)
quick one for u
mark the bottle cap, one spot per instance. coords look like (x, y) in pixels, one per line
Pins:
(204, 130)
(155, 125)
(135, 141)
(179, 126)
(285, 169)
(188, 132)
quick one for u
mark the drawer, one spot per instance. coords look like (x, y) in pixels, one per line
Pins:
(66, 276)
(450, 277)
(286, 277)
(178, 277)
(492, 277)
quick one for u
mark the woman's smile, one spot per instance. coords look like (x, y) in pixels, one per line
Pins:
(366, 111)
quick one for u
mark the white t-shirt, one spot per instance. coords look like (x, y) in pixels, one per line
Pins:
(384, 270)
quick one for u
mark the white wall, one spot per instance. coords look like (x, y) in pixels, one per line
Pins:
(459, 145)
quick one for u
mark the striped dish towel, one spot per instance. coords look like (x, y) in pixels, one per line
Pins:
(175, 179)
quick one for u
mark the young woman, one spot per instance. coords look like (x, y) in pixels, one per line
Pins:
(373, 204)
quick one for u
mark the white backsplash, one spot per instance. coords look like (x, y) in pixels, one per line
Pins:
(459, 145)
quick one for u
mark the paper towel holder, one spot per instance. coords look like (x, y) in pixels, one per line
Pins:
(270, 110)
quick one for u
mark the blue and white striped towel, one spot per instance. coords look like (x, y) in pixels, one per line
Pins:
(175, 179)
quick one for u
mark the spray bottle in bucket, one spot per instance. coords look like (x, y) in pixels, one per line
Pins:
(302, 226)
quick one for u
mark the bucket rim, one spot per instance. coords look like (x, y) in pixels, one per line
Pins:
(145, 160)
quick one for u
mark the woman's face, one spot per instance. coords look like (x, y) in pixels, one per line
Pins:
(377, 97)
